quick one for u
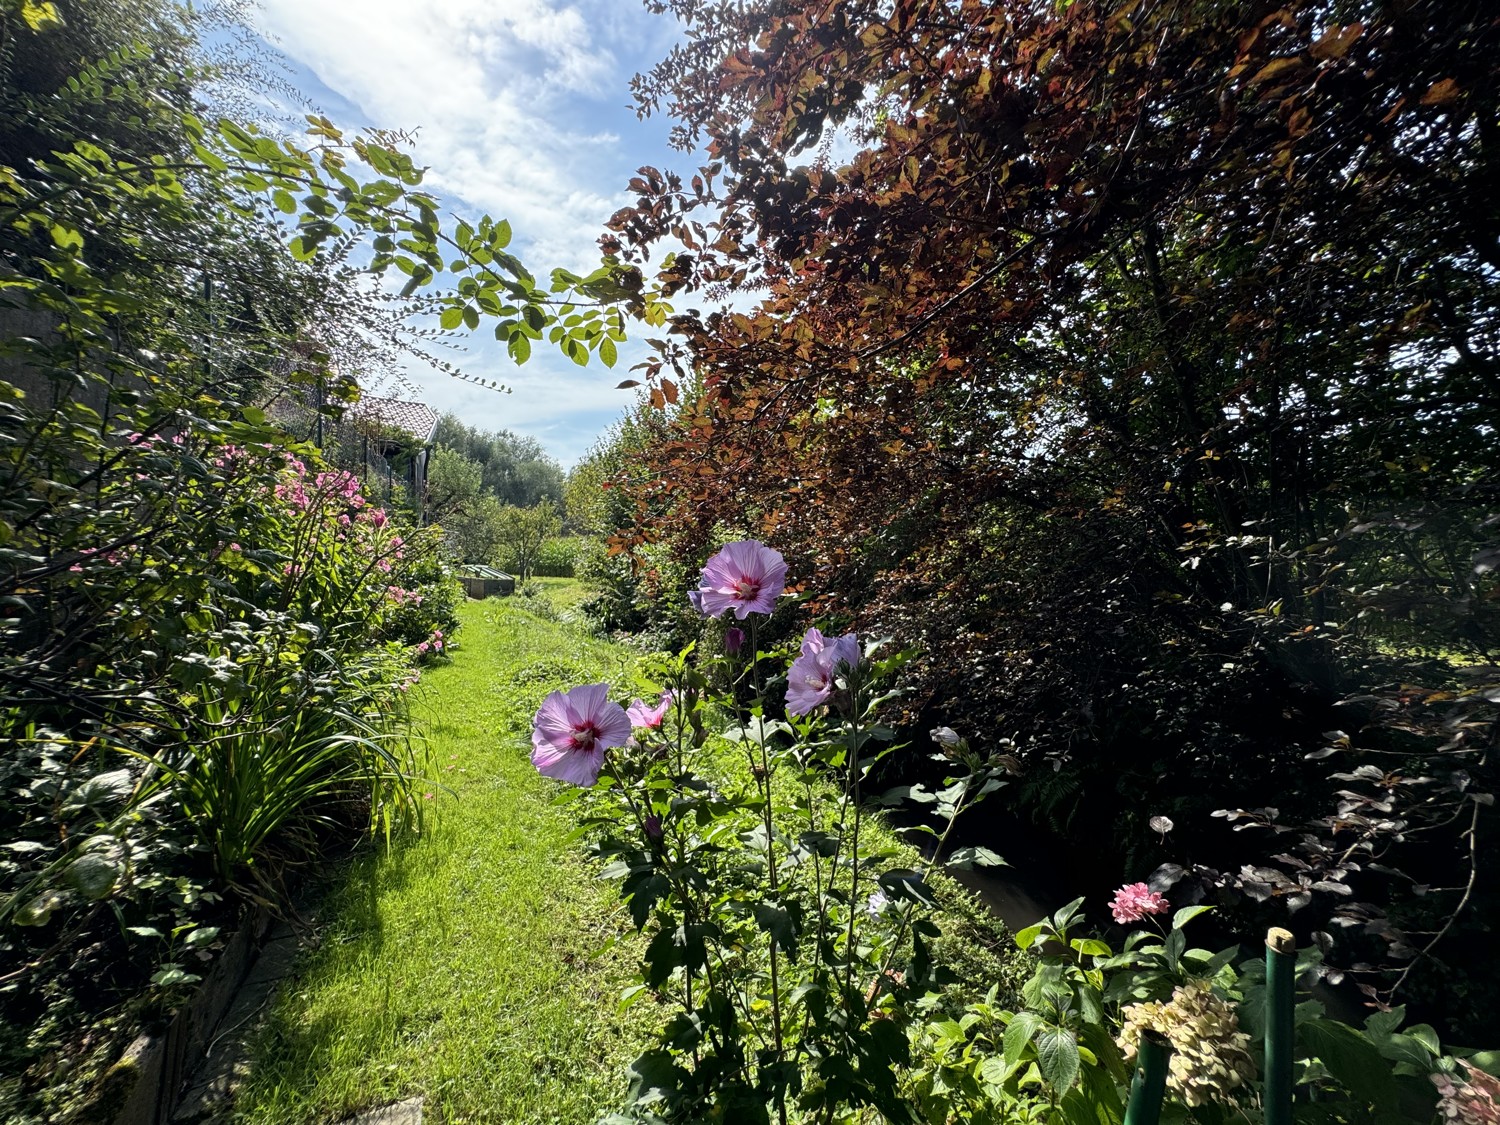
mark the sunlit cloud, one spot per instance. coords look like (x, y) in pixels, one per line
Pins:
(520, 110)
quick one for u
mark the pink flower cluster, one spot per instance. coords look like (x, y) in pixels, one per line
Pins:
(433, 643)
(402, 596)
(137, 438)
(113, 558)
(1134, 901)
(1476, 1102)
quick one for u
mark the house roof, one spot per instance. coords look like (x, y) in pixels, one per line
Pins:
(415, 418)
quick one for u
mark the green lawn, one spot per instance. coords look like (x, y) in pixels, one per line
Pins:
(465, 966)
(565, 594)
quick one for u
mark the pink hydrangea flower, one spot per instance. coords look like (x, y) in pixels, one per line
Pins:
(746, 576)
(573, 729)
(1477, 1102)
(649, 717)
(1134, 901)
(812, 677)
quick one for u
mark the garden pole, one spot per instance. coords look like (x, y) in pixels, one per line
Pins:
(1149, 1086)
(1281, 972)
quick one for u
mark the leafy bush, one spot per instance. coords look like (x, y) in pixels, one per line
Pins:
(796, 958)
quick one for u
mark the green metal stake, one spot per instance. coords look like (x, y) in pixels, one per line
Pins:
(1149, 1086)
(1281, 973)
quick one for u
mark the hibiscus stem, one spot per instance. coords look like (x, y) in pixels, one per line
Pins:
(853, 789)
(764, 780)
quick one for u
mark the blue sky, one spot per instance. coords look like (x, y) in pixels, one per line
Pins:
(521, 109)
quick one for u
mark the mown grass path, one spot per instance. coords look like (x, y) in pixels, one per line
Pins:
(463, 966)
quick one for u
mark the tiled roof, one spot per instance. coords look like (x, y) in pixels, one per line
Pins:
(415, 418)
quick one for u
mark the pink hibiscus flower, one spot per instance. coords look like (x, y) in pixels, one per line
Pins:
(649, 717)
(812, 677)
(746, 577)
(573, 729)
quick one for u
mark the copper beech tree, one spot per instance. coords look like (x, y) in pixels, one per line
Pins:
(1140, 361)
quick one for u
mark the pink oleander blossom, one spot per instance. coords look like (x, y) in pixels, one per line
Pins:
(1134, 901)
(813, 674)
(573, 729)
(746, 576)
(649, 718)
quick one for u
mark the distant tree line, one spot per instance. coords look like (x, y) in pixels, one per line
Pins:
(496, 495)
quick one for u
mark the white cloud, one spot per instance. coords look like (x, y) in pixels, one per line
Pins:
(519, 108)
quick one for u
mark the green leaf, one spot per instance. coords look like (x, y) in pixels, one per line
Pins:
(93, 876)
(1382, 1024)
(1027, 938)
(780, 923)
(1187, 914)
(1173, 947)
(1425, 1035)
(1057, 1055)
(654, 1077)
(630, 996)
(38, 912)
(169, 975)
(1351, 1059)
(965, 858)
(520, 348)
(452, 317)
(1090, 947)
(500, 236)
(607, 352)
(65, 236)
(903, 882)
(40, 14)
(1018, 1033)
